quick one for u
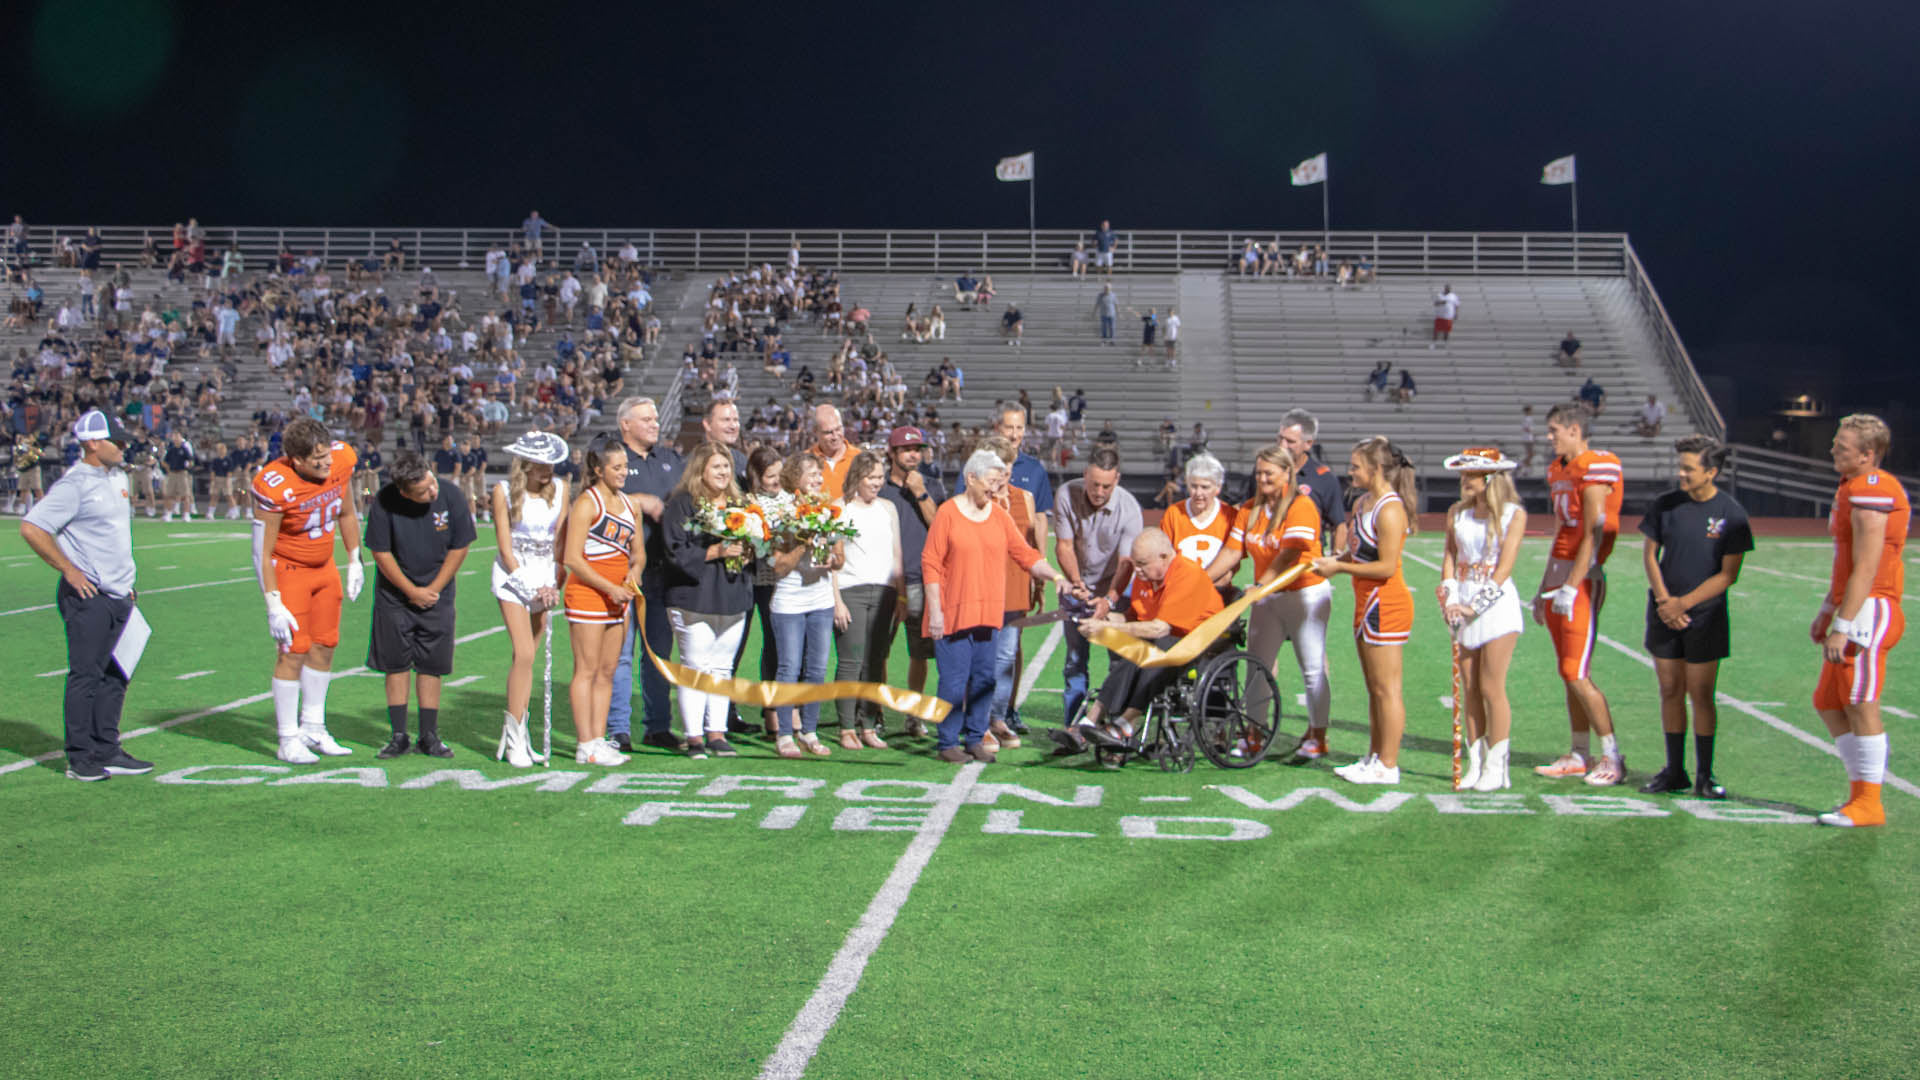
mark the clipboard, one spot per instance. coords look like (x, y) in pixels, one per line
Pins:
(132, 643)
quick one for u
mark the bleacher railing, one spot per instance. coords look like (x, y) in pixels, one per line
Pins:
(1694, 398)
(946, 251)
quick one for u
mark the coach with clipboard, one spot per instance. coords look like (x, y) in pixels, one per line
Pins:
(83, 528)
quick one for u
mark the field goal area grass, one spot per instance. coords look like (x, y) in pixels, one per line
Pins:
(879, 913)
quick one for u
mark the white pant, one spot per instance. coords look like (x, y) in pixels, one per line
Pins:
(1299, 615)
(706, 644)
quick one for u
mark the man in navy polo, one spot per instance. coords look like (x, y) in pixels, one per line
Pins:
(653, 468)
(1028, 475)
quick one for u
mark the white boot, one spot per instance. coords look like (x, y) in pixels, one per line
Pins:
(1493, 773)
(526, 739)
(513, 743)
(1469, 776)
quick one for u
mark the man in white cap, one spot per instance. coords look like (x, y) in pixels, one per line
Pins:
(83, 529)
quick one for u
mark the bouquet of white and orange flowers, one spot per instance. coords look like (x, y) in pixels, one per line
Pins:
(812, 521)
(728, 522)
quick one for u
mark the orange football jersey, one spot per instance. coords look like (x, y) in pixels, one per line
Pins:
(309, 510)
(1195, 542)
(1871, 490)
(1299, 530)
(1566, 479)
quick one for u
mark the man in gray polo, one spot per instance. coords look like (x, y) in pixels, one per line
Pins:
(83, 528)
(1095, 521)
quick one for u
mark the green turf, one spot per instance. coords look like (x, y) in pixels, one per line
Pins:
(329, 929)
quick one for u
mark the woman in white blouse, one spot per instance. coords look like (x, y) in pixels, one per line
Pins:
(870, 582)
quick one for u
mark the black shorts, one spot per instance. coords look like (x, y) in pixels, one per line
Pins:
(407, 639)
(1706, 639)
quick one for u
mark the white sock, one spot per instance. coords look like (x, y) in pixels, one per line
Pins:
(286, 707)
(1609, 747)
(1871, 750)
(1581, 745)
(313, 697)
(1848, 757)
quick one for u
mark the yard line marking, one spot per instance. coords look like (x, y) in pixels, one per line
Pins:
(190, 675)
(1037, 665)
(1750, 708)
(236, 703)
(817, 1016)
(1166, 798)
(462, 681)
(166, 568)
(1899, 712)
(1803, 577)
(51, 674)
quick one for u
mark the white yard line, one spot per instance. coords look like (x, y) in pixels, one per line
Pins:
(817, 1016)
(1823, 745)
(1038, 664)
(462, 681)
(191, 675)
(236, 703)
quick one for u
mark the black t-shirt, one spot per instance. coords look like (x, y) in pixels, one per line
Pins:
(221, 464)
(418, 535)
(446, 460)
(1694, 537)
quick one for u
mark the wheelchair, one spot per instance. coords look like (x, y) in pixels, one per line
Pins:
(1207, 710)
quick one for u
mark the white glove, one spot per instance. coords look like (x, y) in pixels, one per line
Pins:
(1858, 631)
(280, 622)
(1562, 599)
(356, 576)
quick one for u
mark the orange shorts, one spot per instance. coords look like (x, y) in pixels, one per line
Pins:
(313, 595)
(1575, 635)
(586, 604)
(1859, 678)
(1384, 615)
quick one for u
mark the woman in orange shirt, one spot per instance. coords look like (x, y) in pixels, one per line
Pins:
(1382, 605)
(1200, 524)
(963, 569)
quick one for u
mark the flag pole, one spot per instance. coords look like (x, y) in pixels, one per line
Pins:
(1573, 191)
(1033, 243)
(1326, 227)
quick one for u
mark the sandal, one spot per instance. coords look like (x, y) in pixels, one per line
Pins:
(849, 739)
(784, 746)
(872, 738)
(811, 742)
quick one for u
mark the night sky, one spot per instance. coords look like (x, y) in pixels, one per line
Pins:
(1762, 154)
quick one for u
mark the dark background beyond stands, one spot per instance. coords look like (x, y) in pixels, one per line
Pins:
(1761, 154)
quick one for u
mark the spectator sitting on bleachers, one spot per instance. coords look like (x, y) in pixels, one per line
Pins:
(1652, 415)
(1250, 262)
(1404, 392)
(1376, 383)
(1591, 393)
(1568, 354)
(1012, 325)
(1077, 262)
(965, 287)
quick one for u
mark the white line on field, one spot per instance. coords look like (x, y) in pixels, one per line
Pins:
(166, 568)
(1802, 577)
(191, 675)
(462, 681)
(236, 703)
(1037, 665)
(1899, 712)
(51, 674)
(817, 1016)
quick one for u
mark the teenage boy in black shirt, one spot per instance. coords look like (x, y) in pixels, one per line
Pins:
(419, 531)
(1696, 539)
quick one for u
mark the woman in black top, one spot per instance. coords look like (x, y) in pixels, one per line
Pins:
(707, 603)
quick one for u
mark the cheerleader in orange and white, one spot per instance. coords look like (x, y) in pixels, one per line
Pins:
(1482, 605)
(1382, 606)
(604, 556)
(1199, 524)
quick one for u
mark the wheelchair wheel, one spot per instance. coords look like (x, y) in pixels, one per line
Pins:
(1170, 743)
(1224, 724)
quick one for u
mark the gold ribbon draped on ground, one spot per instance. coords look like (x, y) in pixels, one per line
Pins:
(925, 707)
(1144, 654)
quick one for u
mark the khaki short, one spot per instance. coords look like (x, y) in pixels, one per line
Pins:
(178, 485)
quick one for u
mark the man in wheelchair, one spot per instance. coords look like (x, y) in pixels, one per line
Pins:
(1171, 596)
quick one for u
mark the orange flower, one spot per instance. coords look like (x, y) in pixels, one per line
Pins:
(833, 512)
(736, 520)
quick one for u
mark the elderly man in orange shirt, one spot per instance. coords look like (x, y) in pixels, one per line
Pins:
(836, 454)
(1171, 596)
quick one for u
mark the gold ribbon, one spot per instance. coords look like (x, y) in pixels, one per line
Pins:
(925, 707)
(1145, 654)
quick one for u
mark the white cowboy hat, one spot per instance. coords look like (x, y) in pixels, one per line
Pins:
(540, 447)
(1481, 459)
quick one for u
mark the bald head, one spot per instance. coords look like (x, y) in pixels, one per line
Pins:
(833, 434)
(1152, 554)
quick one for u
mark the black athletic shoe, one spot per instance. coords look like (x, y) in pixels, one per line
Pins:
(125, 764)
(664, 740)
(621, 740)
(1708, 788)
(1018, 726)
(396, 746)
(1067, 742)
(1664, 782)
(433, 747)
(87, 771)
(721, 748)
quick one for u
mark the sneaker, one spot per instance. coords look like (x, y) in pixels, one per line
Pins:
(953, 755)
(1313, 747)
(663, 740)
(623, 741)
(125, 764)
(319, 741)
(1608, 771)
(1706, 787)
(697, 749)
(1354, 768)
(605, 755)
(1374, 772)
(990, 741)
(87, 771)
(396, 746)
(293, 751)
(721, 748)
(1015, 724)
(1667, 780)
(432, 746)
(1856, 813)
(1567, 764)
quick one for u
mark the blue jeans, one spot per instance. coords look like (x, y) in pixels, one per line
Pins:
(654, 699)
(1079, 655)
(1106, 327)
(803, 641)
(1006, 646)
(966, 682)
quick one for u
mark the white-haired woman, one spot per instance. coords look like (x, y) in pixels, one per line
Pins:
(1482, 605)
(1199, 524)
(529, 513)
(964, 570)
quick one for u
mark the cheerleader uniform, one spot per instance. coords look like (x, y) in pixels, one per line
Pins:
(1382, 610)
(532, 542)
(606, 551)
(1476, 553)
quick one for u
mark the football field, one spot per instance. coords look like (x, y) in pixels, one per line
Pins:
(879, 914)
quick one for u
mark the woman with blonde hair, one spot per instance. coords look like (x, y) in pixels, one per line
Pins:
(707, 599)
(1482, 606)
(1382, 606)
(805, 598)
(528, 515)
(867, 586)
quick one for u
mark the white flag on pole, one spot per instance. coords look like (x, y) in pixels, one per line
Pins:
(1015, 168)
(1311, 171)
(1558, 171)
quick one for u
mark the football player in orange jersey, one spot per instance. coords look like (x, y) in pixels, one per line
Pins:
(1860, 619)
(300, 498)
(1587, 489)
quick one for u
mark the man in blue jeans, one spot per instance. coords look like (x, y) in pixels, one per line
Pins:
(1095, 521)
(653, 469)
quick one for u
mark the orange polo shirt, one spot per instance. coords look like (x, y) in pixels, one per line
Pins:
(836, 469)
(1184, 599)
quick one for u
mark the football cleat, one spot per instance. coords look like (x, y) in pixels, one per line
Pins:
(1567, 764)
(1608, 771)
(318, 740)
